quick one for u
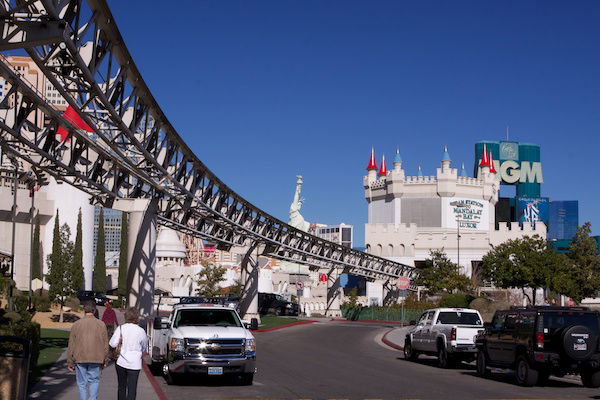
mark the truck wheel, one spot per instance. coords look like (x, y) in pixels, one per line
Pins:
(590, 378)
(279, 311)
(444, 360)
(526, 376)
(156, 368)
(482, 365)
(409, 353)
(171, 379)
(247, 378)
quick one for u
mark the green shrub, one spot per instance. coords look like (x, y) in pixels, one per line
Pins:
(412, 303)
(21, 327)
(41, 302)
(456, 300)
(73, 303)
(21, 302)
(118, 303)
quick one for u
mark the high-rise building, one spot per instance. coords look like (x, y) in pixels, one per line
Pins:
(112, 229)
(564, 219)
(340, 234)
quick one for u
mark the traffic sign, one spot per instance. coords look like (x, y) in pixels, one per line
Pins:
(403, 283)
(299, 285)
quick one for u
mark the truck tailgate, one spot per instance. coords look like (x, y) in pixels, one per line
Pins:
(466, 334)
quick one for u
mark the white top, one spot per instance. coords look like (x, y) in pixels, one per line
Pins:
(135, 342)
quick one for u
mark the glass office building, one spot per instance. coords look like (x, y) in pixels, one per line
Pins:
(563, 219)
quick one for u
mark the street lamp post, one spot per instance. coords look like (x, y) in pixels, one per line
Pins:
(458, 205)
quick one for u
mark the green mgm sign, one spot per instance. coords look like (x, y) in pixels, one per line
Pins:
(517, 164)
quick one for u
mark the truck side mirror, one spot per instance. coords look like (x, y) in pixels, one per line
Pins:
(157, 324)
(253, 324)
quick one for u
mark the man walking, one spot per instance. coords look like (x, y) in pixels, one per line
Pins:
(87, 352)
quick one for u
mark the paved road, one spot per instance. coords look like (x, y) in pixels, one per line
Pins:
(339, 360)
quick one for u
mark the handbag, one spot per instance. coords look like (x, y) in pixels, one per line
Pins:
(116, 352)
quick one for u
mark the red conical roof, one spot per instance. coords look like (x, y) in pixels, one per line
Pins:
(485, 161)
(372, 164)
(383, 169)
(492, 167)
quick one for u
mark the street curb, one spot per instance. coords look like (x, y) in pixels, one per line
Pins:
(157, 389)
(388, 342)
(275, 328)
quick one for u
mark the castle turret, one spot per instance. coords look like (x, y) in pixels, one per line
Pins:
(492, 166)
(372, 167)
(446, 176)
(485, 161)
(446, 160)
(397, 161)
(383, 169)
(463, 171)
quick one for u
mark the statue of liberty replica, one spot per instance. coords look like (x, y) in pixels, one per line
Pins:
(297, 221)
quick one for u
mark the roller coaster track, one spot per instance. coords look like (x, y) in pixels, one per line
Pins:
(132, 150)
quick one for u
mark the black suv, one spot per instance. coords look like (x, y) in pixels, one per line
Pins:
(98, 298)
(275, 303)
(538, 341)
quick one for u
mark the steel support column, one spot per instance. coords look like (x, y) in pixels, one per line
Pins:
(142, 252)
(333, 294)
(249, 300)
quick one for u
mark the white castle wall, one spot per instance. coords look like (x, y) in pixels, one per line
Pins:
(386, 236)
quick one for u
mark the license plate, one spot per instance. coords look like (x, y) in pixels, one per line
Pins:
(582, 346)
(215, 370)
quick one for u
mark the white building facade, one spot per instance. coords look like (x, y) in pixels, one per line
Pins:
(408, 216)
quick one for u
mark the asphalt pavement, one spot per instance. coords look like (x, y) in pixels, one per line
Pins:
(349, 360)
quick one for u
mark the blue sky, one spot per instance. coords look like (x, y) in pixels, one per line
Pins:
(265, 90)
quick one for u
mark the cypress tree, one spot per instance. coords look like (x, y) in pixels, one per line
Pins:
(36, 254)
(99, 280)
(123, 250)
(56, 255)
(77, 267)
(59, 265)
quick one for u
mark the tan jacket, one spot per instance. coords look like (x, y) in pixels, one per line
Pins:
(88, 342)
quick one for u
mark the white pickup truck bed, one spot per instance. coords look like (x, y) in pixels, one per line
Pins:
(448, 333)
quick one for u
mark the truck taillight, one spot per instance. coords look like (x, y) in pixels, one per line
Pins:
(453, 334)
(540, 340)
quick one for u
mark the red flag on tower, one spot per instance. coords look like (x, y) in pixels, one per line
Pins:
(71, 115)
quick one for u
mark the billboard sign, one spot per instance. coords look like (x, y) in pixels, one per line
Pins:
(516, 164)
(467, 213)
(533, 209)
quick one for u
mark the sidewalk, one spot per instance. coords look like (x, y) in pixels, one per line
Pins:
(59, 383)
(395, 338)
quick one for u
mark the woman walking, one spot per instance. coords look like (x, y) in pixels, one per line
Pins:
(133, 342)
(109, 317)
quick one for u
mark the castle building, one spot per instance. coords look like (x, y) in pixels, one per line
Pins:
(408, 216)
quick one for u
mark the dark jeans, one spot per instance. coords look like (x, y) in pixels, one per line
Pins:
(127, 382)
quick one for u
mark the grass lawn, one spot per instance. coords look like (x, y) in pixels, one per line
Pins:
(271, 321)
(52, 344)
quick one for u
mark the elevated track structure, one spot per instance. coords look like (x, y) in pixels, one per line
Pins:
(128, 150)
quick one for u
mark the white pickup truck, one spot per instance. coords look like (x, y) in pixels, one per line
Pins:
(448, 333)
(204, 339)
